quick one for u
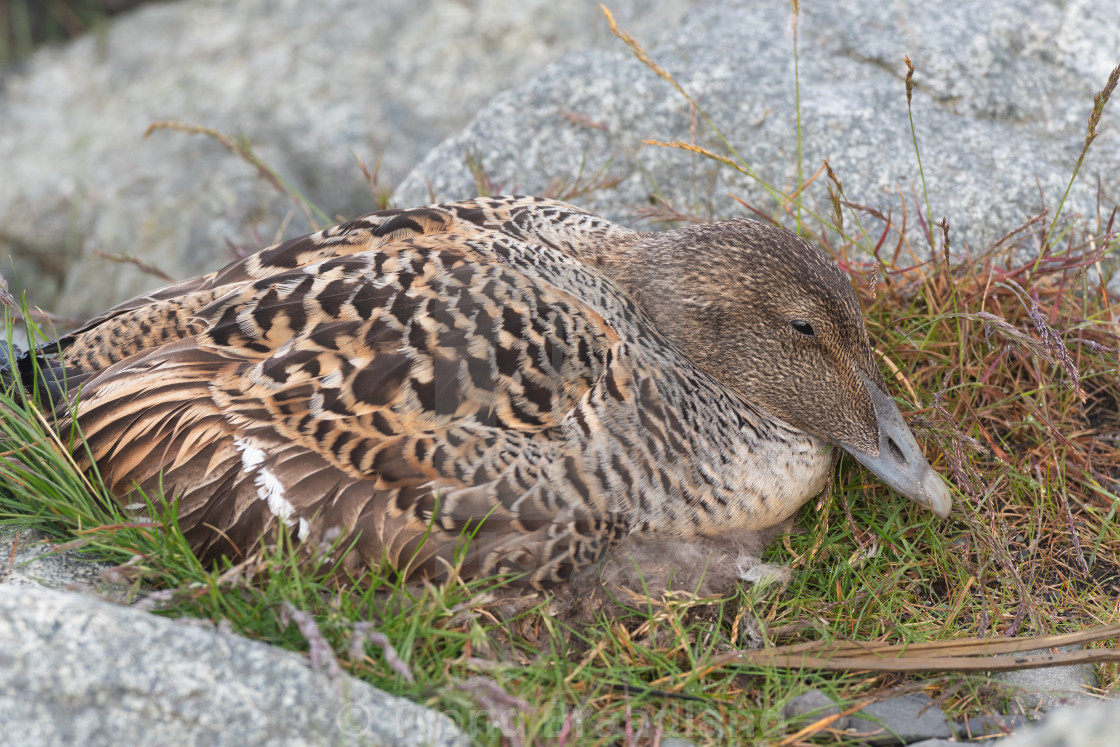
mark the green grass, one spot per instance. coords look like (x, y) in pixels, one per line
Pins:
(1005, 368)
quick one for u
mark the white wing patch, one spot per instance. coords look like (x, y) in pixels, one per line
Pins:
(269, 487)
(251, 456)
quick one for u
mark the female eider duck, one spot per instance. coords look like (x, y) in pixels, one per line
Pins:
(513, 370)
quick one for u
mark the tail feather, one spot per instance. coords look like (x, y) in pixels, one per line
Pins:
(42, 378)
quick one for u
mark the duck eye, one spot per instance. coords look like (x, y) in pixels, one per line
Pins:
(803, 327)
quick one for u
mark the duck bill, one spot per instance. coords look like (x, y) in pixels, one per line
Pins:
(900, 462)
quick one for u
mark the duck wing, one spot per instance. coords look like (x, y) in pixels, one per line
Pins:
(405, 392)
(165, 314)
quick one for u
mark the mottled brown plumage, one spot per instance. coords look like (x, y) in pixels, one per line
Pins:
(512, 369)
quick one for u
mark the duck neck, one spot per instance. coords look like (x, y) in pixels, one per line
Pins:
(735, 467)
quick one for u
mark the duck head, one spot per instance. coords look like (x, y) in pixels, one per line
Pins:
(771, 317)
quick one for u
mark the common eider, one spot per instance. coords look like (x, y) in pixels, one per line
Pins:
(511, 371)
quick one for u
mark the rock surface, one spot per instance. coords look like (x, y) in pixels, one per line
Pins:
(1003, 95)
(26, 560)
(812, 706)
(900, 720)
(311, 85)
(1041, 690)
(1087, 726)
(76, 670)
(915, 720)
(991, 726)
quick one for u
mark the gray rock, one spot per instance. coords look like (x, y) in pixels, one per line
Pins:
(310, 84)
(1040, 690)
(26, 559)
(901, 720)
(1094, 725)
(75, 670)
(992, 725)
(1003, 94)
(813, 706)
